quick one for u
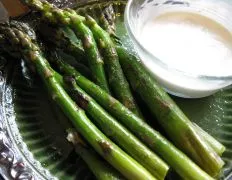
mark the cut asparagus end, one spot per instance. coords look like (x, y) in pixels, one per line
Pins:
(211, 141)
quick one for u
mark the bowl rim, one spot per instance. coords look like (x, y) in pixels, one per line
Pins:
(163, 65)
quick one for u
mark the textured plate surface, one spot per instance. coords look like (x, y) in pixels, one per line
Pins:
(34, 126)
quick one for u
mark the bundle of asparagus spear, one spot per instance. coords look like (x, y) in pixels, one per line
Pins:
(102, 110)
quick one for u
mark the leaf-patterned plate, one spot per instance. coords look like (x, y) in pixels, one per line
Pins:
(32, 138)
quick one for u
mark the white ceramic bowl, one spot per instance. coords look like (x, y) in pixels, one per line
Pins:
(174, 80)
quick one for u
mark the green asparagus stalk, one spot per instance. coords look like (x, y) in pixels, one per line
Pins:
(153, 139)
(75, 22)
(100, 169)
(83, 69)
(63, 38)
(107, 21)
(116, 78)
(110, 16)
(107, 149)
(217, 146)
(179, 128)
(116, 131)
(95, 61)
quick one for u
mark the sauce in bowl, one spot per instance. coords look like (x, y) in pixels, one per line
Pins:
(189, 42)
(186, 45)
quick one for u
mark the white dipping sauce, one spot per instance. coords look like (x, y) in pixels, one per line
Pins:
(187, 42)
(190, 43)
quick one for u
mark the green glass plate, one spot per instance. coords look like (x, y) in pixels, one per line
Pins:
(31, 127)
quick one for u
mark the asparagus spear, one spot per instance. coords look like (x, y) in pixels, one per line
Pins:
(107, 21)
(217, 146)
(179, 128)
(107, 149)
(153, 139)
(101, 170)
(64, 38)
(83, 69)
(75, 22)
(116, 78)
(110, 16)
(116, 131)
